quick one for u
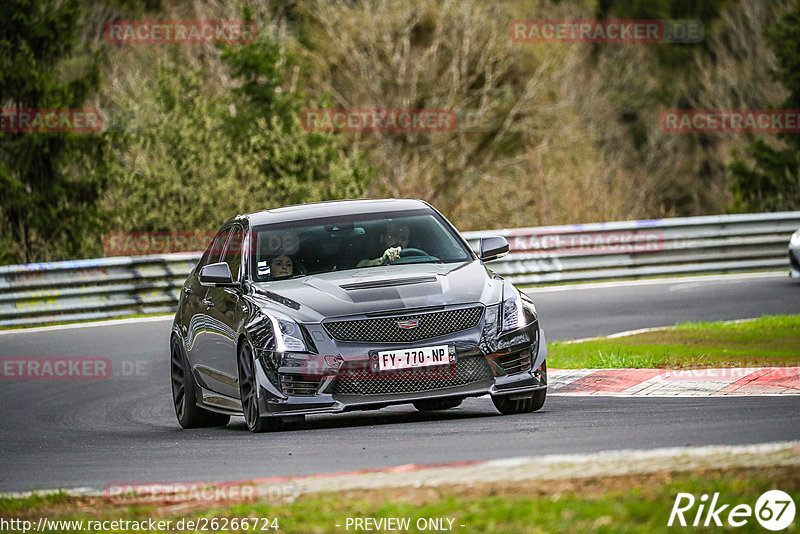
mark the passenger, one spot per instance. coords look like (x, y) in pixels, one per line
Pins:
(281, 266)
(395, 238)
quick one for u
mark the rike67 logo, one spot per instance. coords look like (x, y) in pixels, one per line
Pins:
(774, 510)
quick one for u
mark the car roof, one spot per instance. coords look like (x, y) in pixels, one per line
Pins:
(333, 208)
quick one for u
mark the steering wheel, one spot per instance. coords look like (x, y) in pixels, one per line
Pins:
(406, 252)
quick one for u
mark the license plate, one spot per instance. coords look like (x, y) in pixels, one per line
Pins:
(390, 360)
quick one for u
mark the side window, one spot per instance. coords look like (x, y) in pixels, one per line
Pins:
(214, 251)
(233, 252)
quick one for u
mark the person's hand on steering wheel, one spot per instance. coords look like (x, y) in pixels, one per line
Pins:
(391, 254)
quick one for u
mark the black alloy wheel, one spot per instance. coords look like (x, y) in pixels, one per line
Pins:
(248, 393)
(184, 397)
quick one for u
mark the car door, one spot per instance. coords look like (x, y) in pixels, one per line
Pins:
(223, 315)
(200, 343)
(192, 309)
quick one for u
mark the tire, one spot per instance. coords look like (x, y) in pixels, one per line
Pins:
(184, 394)
(508, 406)
(429, 405)
(249, 394)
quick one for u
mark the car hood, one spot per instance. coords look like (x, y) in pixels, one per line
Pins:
(313, 298)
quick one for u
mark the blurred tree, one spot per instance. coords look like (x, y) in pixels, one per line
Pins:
(674, 56)
(294, 165)
(196, 153)
(773, 182)
(47, 204)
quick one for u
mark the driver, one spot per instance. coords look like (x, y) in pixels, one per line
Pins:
(395, 238)
(281, 266)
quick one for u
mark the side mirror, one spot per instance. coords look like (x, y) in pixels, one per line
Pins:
(217, 274)
(493, 248)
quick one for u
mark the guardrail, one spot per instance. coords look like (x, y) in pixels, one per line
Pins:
(41, 293)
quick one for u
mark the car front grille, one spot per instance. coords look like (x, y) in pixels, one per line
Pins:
(389, 330)
(363, 382)
(295, 384)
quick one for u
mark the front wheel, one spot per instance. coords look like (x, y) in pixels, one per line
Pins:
(508, 406)
(248, 393)
(184, 397)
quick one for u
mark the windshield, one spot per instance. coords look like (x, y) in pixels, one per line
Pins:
(301, 248)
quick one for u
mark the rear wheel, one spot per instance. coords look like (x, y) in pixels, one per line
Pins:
(508, 406)
(429, 405)
(184, 394)
(248, 393)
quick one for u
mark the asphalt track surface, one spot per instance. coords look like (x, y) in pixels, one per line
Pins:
(123, 429)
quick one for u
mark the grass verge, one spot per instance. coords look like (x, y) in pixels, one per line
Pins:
(632, 503)
(770, 341)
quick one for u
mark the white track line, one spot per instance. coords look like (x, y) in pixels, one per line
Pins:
(94, 324)
(655, 281)
(626, 333)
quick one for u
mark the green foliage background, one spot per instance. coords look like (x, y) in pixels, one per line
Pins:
(773, 181)
(545, 133)
(48, 201)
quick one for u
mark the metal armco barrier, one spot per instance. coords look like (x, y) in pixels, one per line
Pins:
(632, 249)
(41, 293)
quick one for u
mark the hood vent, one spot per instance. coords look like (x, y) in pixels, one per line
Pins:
(375, 284)
(280, 299)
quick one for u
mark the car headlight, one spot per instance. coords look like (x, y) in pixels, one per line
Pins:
(288, 336)
(796, 239)
(512, 315)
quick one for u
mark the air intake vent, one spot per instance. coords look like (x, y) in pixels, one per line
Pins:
(364, 382)
(375, 284)
(299, 385)
(515, 362)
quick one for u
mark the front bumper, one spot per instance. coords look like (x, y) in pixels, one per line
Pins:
(512, 364)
